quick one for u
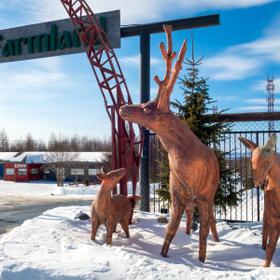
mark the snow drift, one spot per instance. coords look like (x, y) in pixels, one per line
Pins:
(57, 246)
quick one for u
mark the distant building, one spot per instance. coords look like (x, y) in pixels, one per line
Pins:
(27, 166)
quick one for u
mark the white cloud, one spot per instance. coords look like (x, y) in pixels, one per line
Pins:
(226, 98)
(260, 101)
(268, 47)
(134, 60)
(131, 11)
(256, 101)
(247, 59)
(227, 66)
(255, 108)
(32, 81)
(261, 86)
(33, 73)
(222, 4)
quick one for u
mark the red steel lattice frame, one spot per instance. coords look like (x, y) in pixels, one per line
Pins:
(126, 149)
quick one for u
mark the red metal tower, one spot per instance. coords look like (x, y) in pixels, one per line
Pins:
(126, 148)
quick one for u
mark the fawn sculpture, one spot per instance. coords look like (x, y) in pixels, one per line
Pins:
(266, 166)
(194, 169)
(110, 210)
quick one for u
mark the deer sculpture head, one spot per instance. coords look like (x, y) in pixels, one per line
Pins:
(110, 179)
(153, 114)
(262, 158)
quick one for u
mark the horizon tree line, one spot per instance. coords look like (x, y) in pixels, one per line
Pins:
(56, 142)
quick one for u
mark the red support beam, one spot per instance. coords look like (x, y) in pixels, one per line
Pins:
(126, 149)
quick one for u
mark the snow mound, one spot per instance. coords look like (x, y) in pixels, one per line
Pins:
(34, 188)
(55, 245)
(77, 190)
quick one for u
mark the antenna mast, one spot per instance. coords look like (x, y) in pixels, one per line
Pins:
(270, 98)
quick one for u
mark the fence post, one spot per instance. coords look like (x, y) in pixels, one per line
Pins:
(258, 188)
(145, 96)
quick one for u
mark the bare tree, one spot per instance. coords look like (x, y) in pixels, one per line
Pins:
(4, 141)
(41, 145)
(75, 143)
(61, 163)
(17, 146)
(56, 142)
(29, 143)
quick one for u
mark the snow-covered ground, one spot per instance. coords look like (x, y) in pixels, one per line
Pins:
(246, 210)
(43, 188)
(39, 188)
(57, 246)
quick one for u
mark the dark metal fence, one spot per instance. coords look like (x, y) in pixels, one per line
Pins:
(238, 158)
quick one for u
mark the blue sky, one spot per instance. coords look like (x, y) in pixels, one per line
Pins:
(60, 94)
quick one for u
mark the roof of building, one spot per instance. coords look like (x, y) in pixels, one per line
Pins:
(44, 157)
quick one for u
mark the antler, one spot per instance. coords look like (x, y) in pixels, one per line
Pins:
(177, 68)
(103, 170)
(168, 55)
(167, 84)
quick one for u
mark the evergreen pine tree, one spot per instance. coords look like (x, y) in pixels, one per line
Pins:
(192, 110)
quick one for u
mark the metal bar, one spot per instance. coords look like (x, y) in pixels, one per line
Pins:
(246, 176)
(235, 169)
(179, 24)
(241, 175)
(264, 116)
(230, 166)
(258, 189)
(106, 69)
(145, 96)
(114, 144)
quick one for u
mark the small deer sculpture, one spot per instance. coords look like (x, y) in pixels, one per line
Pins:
(110, 210)
(266, 166)
(194, 169)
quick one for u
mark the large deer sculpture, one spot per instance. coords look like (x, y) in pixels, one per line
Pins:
(266, 165)
(194, 169)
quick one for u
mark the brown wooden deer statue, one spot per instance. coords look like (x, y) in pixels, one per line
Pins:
(110, 210)
(194, 169)
(266, 165)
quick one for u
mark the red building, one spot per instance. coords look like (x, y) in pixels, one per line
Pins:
(28, 166)
(20, 172)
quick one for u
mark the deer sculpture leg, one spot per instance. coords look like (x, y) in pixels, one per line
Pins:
(264, 235)
(189, 216)
(115, 227)
(213, 227)
(204, 217)
(94, 225)
(177, 210)
(273, 234)
(109, 229)
(124, 225)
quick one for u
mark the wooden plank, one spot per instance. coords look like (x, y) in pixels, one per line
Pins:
(51, 38)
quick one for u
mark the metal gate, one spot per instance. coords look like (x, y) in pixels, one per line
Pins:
(238, 157)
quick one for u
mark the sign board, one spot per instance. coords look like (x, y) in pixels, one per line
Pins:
(77, 172)
(20, 165)
(93, 171)
(52, 38)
